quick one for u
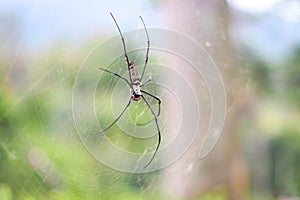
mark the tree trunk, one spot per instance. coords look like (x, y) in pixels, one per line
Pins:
(206, 21)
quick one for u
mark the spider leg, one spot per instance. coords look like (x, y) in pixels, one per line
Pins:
(148, 46)
(158, 113)
(120, 115)
(146, 82)
(124, 46)
(155, 97)
(158, 130)
(106, 70)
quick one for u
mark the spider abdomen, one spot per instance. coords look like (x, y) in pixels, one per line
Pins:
(133, 73)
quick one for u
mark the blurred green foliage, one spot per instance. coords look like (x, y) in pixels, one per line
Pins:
(285, 158)
(41, 156)
(292, 78)
(279, 83)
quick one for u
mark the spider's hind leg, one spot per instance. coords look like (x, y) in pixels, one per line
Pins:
(158, 112)
(158, 131)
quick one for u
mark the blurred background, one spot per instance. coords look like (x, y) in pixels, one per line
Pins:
(256, 46)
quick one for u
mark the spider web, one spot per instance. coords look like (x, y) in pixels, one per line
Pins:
(40, 148)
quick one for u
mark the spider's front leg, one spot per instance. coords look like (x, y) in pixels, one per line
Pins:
(117, 75)
(150, 79)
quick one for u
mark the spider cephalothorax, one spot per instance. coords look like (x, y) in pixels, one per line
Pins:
(136, 92)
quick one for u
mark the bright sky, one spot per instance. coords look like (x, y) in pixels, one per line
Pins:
(39, 21)
(252, 5)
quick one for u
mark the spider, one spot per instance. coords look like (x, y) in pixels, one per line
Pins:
(135, 84)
